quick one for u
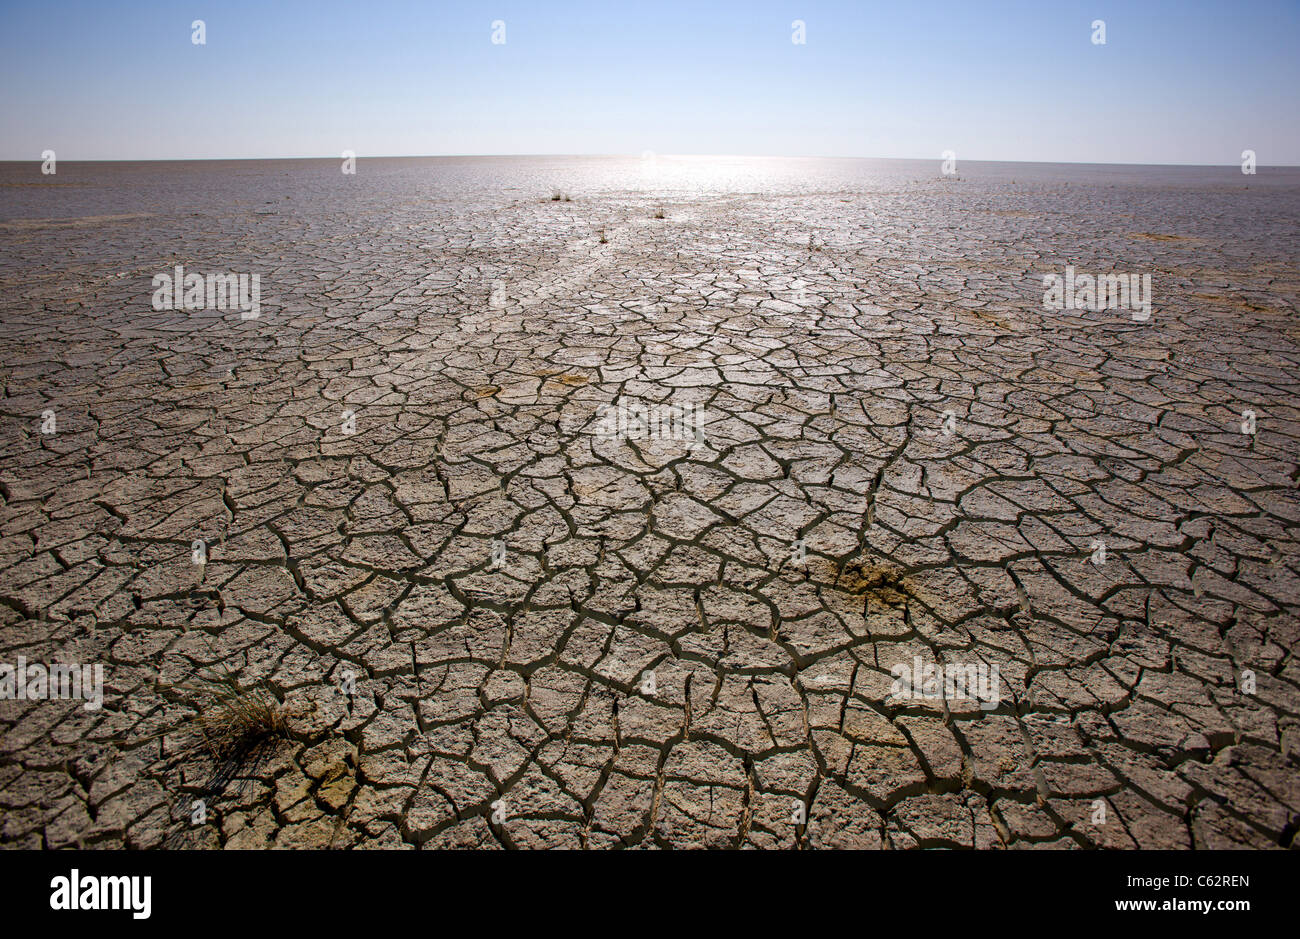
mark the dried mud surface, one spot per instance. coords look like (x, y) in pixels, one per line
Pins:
(879, 378)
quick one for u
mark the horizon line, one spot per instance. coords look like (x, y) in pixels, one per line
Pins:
(747, 156)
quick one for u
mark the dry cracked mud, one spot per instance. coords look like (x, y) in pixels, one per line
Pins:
(687, 642)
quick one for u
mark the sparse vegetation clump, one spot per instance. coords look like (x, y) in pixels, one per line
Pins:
(225, 742)
(233, 722)
(230, 722)
(231, 731)
(659, 213)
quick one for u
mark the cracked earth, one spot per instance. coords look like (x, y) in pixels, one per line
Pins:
(880, 383)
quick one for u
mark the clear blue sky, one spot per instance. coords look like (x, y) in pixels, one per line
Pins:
(1176, 82)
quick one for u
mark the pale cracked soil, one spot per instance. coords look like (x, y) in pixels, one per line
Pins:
(826, 327)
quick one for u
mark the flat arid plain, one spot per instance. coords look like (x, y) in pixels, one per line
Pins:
(408, 559)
